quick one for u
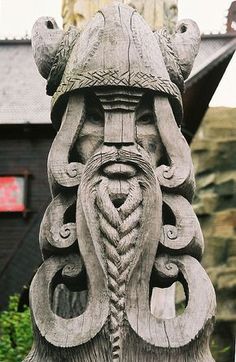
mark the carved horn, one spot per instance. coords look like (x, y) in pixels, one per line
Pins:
(46, 37)
(186, 41)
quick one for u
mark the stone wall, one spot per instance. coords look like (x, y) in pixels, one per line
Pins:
(214, 156)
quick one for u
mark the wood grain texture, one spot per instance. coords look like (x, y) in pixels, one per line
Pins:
(60, 169)
(120, 223)
(185, 235)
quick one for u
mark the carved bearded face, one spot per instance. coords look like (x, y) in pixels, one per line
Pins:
(115, 121)
(120, 146)
(95, 131)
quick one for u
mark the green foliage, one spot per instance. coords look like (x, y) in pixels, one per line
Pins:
(15, 332)
(220, 352)
(16, 335)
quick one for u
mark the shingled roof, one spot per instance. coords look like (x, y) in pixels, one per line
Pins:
(22, 89)
(214, 48)
(215, 53)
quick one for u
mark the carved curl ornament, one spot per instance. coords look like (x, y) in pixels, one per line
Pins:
(120, 222)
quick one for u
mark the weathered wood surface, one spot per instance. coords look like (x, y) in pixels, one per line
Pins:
(120, 223)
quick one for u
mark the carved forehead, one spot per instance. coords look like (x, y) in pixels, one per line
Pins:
(119, 99)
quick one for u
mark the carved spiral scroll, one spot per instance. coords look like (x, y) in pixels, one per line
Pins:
(185, 237)
(57, 330)
(56, 235)
(197, 315)
(60, 169)
(178, 175)
(165, 272)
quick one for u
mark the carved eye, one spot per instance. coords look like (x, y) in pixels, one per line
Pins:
(145, 119)
(95, 118)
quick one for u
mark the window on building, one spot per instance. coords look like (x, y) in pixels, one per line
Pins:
(13, 193)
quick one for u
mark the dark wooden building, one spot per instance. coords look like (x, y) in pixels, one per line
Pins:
(25, 138)
(26, 135)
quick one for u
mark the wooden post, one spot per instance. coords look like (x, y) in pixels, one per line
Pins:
(120, 223)
(157, 13)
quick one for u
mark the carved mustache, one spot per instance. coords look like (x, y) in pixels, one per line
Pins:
(128, 161)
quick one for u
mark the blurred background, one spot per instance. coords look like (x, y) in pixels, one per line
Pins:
(209, 126)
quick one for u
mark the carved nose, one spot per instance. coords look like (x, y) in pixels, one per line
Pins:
(119, 128)
(116, 170)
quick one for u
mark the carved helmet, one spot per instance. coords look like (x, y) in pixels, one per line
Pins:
(116, 48)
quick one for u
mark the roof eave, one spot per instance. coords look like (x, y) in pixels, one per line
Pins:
(212, 62)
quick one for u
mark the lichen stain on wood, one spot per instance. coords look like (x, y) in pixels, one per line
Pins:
(120, 222)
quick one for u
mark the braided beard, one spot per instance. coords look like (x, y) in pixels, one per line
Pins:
(113, 207)
(119, 227)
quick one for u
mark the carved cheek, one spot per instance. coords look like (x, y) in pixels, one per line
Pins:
(149, 138)
(89, 140)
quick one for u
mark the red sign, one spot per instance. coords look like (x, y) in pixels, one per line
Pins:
(11, 194)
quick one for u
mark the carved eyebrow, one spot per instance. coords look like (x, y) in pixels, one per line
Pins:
(145, 105)
(93, 104)
(119, 99)
(143, 112)
(96, 108)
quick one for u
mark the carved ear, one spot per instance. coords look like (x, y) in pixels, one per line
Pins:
(185, 42)
(179, 50)
(46, 37)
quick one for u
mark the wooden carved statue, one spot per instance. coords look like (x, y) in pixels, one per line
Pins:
(120, 222)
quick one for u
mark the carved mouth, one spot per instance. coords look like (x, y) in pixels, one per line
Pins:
(118, 190)
(119, 170)
(119, 175)
(118, 201)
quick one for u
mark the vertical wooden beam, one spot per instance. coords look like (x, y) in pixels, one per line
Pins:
(157, 13)
(120, 223)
